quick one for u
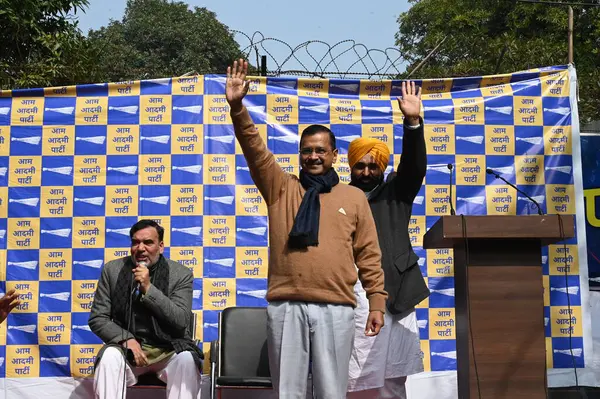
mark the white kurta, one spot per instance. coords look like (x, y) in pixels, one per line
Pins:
(394, 352)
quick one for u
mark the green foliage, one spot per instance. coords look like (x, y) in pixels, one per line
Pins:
(159, 38)
(486, 37)
(40, 44)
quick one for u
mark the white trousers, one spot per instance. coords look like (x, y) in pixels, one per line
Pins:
(298, 333)
(179, 372)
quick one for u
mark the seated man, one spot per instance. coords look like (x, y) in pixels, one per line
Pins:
(142, 310)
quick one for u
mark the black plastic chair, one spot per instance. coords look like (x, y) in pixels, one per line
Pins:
(239, 358)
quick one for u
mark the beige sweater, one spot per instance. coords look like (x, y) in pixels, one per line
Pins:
(347, 235)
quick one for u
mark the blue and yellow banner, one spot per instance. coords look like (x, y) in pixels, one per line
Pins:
(590, 160)
(79, 165)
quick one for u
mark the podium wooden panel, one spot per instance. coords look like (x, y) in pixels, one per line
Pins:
(498, 286)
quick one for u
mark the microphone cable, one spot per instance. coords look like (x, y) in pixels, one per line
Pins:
(129, 315)
(569, 311)
(467, 261)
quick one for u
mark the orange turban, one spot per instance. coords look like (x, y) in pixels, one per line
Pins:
(363, 146)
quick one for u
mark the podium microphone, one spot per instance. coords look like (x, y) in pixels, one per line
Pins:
(137, 287)
(450, 167)
(497, 176)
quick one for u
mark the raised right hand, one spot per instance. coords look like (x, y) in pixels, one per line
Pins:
(138, 354)
(236, 86)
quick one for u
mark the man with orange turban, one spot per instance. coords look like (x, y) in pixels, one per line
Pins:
(368, 155)
(379, 365)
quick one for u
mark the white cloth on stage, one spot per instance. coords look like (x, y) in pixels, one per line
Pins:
(179, 372)
(395, 352)
(298, 332)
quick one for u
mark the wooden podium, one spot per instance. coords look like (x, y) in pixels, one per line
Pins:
(498, 286)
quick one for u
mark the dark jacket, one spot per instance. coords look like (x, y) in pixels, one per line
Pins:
(391, 204)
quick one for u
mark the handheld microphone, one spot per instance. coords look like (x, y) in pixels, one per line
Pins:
(137, 287)
(497, 176)
(450, 167)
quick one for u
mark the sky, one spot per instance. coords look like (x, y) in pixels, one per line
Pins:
(294, 22)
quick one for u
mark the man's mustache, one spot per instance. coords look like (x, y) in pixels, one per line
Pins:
(367, 179)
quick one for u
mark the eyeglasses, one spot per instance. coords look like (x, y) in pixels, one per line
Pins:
(320, 151)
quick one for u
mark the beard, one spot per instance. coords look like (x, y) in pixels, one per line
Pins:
(366, 184)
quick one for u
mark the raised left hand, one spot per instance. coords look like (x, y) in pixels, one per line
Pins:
(142, 275)
(410, 102)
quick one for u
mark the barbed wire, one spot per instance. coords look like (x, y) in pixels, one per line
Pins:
(305, 59)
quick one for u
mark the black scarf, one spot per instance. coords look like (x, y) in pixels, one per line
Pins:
(163, 334)
(305, 231)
